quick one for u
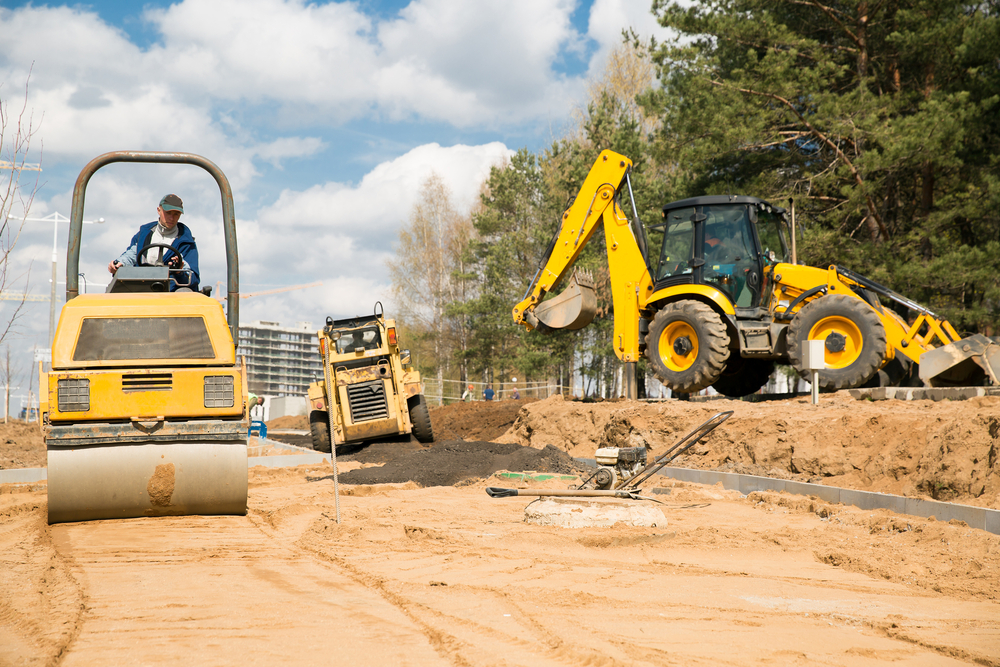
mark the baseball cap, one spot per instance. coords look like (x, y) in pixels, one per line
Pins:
(172, 203)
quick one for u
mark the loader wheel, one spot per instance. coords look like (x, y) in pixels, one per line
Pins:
(420, 417)
(687, 346)
(319, 426)
(854, 335)
(743, 376)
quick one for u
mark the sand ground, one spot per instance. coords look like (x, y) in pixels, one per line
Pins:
(445, 575)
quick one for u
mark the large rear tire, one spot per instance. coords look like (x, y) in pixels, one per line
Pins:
(420, 417)
(854, 337)
(743, 376)
(319, 427)
(687, 346)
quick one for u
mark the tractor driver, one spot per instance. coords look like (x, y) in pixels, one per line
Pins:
(170, 231)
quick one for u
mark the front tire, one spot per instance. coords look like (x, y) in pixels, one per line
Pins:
(319, 428)
(854, 338)
(420, 417)
(687, 346)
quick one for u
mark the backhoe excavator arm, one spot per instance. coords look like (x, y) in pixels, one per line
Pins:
(575, 308)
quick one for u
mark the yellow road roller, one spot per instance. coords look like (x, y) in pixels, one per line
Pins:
(144, 412)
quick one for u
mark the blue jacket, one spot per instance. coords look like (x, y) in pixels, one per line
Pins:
(183, 244)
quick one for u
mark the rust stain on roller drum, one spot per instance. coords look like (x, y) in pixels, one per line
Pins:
(161, 485)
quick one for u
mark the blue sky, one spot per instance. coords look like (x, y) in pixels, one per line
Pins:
(327, 118)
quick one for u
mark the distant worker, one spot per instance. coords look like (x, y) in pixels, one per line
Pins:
(488, 393)
(170, 231)
(256, 404)
(515, 394)
(467, 395)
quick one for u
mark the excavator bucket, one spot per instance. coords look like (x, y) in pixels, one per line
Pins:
(574, 308)
(967, 362)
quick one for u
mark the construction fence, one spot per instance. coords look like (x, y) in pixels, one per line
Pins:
(443, 392)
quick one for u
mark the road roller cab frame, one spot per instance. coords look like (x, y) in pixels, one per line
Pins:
(376, 392)
(145, 412)
(710, 296)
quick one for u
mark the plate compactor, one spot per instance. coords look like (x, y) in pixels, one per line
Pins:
(621, 471)
(144, 412)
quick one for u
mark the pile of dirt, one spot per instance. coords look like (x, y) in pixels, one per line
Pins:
(21, 445)
(453, 462)
(290, 422)
(944, 450)
(476, 420)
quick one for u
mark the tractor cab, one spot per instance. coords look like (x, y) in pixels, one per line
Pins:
(721, 241)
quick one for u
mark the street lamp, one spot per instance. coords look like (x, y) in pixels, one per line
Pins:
(84, 281)
(55, 219)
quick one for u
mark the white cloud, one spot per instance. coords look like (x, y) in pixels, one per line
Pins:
(236, 80)
(608, 18)
(336, 230)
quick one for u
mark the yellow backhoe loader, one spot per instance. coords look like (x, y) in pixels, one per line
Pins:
(144, 412)
(710, 296)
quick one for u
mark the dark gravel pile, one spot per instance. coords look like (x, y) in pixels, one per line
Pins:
(451, 462)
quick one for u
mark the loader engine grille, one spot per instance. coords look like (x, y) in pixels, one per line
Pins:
(219, 391)
(148, 382)
(74, 395)
(367, 401)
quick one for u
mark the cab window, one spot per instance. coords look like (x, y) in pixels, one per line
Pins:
(131, 338)
(352, 339)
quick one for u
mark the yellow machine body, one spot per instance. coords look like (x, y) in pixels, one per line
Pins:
(707, 325)
(375, 391)
(144, 410)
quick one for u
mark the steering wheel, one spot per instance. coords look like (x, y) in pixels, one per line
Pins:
(140, 261)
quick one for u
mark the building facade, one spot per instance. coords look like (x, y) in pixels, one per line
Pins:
(281, 361)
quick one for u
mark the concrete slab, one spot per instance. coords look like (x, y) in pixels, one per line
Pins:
(22, 475)
(828, 494)
(977, 517)
(923, 393)
(567, 513)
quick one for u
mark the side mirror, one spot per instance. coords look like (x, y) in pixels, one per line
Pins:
(404, 357)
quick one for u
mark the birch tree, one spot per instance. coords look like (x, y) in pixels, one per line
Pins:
(16, 132)
(428, 274)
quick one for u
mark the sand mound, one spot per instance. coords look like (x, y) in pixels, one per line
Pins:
(945, 450)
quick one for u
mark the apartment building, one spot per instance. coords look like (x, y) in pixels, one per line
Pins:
(281, 361)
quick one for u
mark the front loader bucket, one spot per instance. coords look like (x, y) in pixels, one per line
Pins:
(572, 309)
(971, 361)
(125, 480)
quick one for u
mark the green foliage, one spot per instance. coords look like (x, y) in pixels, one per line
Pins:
(879, 118)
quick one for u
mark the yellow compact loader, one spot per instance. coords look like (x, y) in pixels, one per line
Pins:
(144, 412)
(710, 296)
(375, 392)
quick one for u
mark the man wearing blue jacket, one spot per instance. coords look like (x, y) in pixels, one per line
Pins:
(168, 230)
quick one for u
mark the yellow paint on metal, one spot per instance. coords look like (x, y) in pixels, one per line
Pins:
(705, 292)
(672, 359)
(853, 340)
(181, 395)
(594, 200)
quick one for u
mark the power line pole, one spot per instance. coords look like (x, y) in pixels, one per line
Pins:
(55, 219)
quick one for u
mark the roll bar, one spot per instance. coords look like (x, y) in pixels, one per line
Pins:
(154, 157)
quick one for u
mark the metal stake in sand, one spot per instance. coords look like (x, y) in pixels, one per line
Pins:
(325, 344)
(814, 356)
